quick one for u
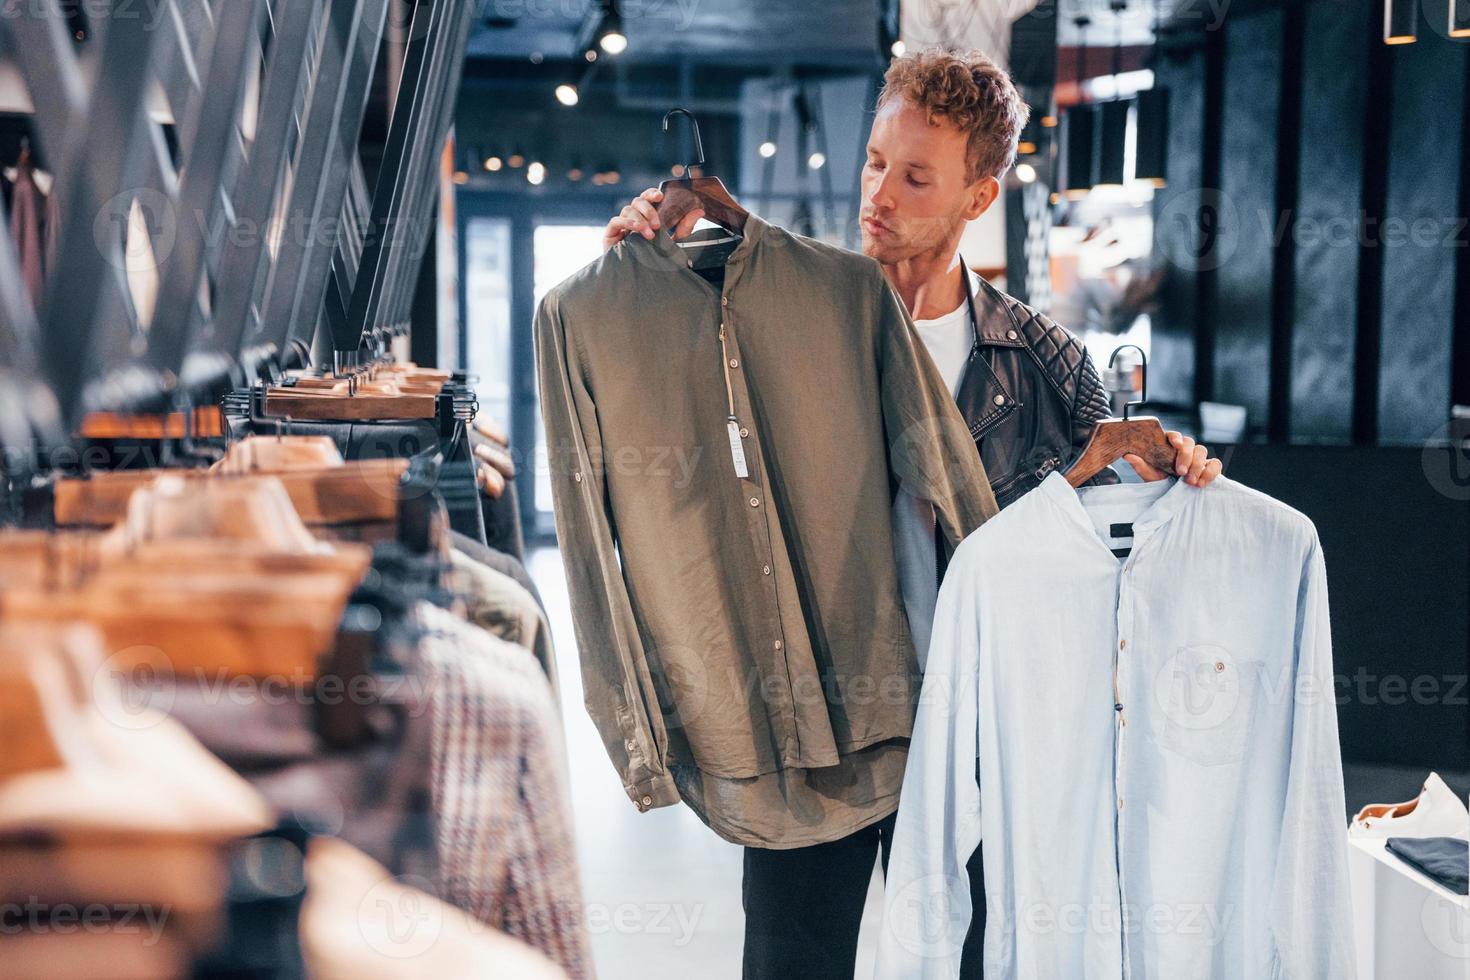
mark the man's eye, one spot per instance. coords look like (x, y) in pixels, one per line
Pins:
(918, 183)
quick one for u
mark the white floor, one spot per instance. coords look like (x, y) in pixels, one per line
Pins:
(662, 890)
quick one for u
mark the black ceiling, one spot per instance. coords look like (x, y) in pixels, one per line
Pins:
(819, 33)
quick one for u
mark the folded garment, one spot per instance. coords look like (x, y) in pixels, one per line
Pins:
(1445, 859)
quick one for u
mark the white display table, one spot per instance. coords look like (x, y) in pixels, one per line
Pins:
(1407, 925)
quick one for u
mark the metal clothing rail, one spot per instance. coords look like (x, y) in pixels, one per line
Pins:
(258, 226)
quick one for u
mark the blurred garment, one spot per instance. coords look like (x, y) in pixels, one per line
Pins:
(27, 217)
(499, 779)
(496, 602)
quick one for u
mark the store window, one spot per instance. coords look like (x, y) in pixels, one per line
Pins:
(488, 314)
(560, 251)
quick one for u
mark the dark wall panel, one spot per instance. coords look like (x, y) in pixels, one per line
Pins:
(1249, 215)
(1397, 575)
(1172, 365)
(1418, 236)
(1324, 304)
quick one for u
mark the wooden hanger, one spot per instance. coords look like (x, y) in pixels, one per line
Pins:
(356, 492)
(1112, 439)
(276, 454)
(689, 193)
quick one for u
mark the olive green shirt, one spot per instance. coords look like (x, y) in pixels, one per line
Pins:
(743, 640)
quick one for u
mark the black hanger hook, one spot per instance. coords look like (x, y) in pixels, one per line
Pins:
(694, 128)
(1143, 382)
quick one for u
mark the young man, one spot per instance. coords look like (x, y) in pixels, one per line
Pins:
(944, 135)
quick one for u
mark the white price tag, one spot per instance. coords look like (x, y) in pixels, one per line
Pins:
(737, 450)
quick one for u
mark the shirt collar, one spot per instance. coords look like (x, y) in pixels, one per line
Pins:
(665, 245)
(1165, 504)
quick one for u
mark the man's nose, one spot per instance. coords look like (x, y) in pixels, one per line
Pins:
(880, 194)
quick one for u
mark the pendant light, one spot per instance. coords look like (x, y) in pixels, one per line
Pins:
(1078, 161)
(1459, 18)
(1151, 136)
(1112, 117)
(1400, 21)
(1151, 128)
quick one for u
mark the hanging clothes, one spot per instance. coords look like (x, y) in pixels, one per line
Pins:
(1136, 680)
(27, 220)
(500, 790)
(726, 436)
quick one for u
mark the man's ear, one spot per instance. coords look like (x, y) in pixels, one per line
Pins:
(983, 193)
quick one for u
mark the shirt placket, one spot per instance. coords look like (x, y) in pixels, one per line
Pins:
(1126, 655)
(775, 686)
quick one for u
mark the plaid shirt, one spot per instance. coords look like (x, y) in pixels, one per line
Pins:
(499, 784)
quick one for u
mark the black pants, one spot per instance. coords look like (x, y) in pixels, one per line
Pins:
(803, 907)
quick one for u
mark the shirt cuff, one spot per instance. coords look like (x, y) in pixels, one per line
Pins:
(653, 793)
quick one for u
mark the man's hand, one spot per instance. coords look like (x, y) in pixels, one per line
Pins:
(640, 217)
(1192, 462)
(493, 463)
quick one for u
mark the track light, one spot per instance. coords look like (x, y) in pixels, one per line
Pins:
(1025, 173)
(817, 160)
(494, 164)
(768, 149)
(566, 94)
(536, 174)
(898, 49)
(610, 36)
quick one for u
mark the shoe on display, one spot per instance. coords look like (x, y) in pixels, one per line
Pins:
(1435, 812)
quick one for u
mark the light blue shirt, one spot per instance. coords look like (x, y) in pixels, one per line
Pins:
(1154, 739)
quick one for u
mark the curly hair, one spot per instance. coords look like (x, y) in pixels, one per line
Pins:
(968, 91)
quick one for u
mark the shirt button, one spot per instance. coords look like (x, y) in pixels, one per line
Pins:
(755, 501)
(577, 477)
(744, 432)
(1219, 666)
(724, 301)
(765, 569)
(778, 644)
(1000, 399)
(734, 362)
(1122, 644)
(629, 743)
(648, 801)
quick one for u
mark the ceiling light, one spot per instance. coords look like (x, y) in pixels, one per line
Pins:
(768, 149)
(493, 164)
(575, 174)
(817, 160)
(516, 161)
(566, 94)
(590, 54)
(613, 42)
(1025, 173)
(898, 49)
(536, 173)
(460, 177)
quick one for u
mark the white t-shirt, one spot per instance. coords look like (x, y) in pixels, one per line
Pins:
(948, 339)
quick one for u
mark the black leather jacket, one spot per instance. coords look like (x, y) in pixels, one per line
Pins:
(1030, 394)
